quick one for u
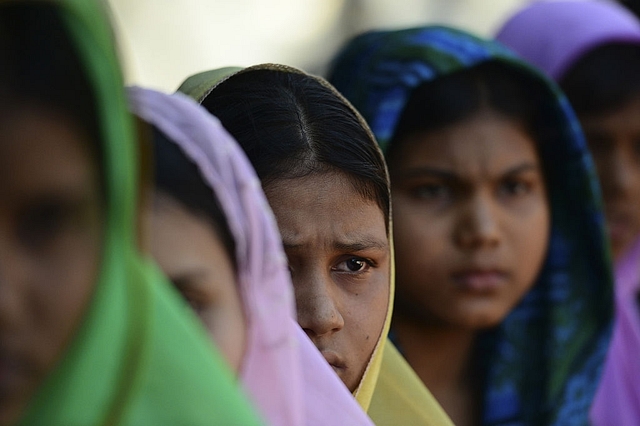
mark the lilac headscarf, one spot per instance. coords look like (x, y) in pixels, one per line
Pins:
(553, 34)
(283, 373)
(617, 401)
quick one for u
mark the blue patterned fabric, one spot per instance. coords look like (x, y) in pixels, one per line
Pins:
(542, 364)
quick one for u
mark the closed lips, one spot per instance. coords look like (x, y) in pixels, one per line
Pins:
(481, 279)
(333, 359)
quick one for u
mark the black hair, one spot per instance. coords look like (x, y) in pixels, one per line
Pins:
(292, 125)
(632, 5)
(604, 79)
(459, 96)
(40, 66)
(180, 178)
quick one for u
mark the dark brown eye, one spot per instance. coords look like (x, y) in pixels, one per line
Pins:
(432, 191)
(514, 188)
(192, 297)
(40, 224)
(353, 264)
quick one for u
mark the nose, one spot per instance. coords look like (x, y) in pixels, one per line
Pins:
(477, 225)
(317, 304)
(621, 174)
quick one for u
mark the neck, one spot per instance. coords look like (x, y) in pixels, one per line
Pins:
(441, 356)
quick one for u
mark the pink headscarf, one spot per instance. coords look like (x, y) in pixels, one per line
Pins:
(284, 374)
(554, 34)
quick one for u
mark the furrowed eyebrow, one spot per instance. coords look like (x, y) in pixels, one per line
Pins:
(346, 246)
(428, 171)
(525, 167)
(291, 246)
(362, 245)
(450, 176)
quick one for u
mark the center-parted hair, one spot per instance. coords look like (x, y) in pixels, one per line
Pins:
(293, 125)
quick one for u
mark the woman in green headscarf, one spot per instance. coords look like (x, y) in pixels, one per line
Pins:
(89, 332)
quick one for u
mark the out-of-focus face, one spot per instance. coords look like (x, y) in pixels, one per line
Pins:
(471, 221)
(50, 244)
(338, 252)
(188, 250)
(614, 141)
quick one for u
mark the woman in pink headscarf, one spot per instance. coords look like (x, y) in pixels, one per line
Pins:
(592, 49)
(214, 235)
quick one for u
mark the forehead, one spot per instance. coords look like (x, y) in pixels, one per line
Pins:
(482, 144)
(42, 149)
(181, 240)
(625, 119)
(324, 207)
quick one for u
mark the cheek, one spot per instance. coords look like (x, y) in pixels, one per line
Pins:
(224, 317)
(228, 329)
(60, 288)
(366, 312)
(421, 242)
(529, 241)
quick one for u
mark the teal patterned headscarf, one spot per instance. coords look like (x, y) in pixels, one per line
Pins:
(541, 366)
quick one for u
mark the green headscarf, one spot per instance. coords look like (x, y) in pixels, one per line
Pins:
(139, 357)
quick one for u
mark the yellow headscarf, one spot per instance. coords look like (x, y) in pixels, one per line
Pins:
(390, 391)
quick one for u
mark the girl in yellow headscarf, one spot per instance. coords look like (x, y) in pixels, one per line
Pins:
(326, 180)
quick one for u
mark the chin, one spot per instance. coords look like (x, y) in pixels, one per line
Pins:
(482, 320)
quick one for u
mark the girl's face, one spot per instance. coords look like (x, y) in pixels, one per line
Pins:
(188, 250)
(614, 140)
(50, 245)
(471, 221)
(338, 252)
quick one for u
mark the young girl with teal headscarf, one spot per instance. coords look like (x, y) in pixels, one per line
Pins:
(503, 304)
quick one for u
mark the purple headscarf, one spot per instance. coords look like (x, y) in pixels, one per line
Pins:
(282, 371)
(554, 34)
(617, 401)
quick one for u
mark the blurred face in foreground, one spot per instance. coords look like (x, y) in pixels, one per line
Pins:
(189, 251)
(50, 245)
